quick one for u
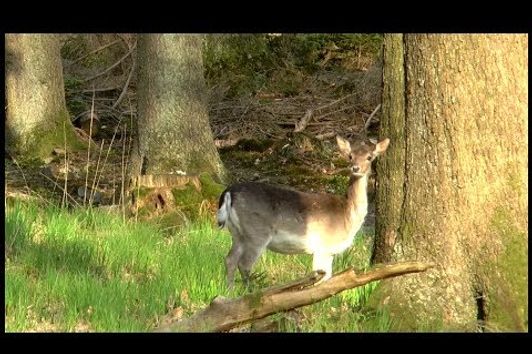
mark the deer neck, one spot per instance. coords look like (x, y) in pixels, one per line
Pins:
(357, 199)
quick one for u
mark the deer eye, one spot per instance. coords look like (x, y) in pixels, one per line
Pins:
(350, 157)
(370, 158)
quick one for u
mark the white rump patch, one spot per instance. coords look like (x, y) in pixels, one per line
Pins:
(223, 211)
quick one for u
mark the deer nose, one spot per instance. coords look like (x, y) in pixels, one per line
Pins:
(355, 168)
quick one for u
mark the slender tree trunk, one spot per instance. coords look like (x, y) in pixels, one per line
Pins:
(37, 119)
(174, 136)
(452, 188)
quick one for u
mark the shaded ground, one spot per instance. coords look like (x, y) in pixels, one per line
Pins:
(298, 160)
(254, 131)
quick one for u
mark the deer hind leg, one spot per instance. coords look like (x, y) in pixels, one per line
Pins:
(249, 257)
(231, 260)
(323, 262)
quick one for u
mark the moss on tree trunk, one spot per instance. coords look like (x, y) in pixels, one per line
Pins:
(179, 203)
(37, 119)
(452, 188)
(174, 135)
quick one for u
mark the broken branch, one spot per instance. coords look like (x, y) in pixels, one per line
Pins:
(224, 314)
(369, 118)
(126, 85)
(302, 124)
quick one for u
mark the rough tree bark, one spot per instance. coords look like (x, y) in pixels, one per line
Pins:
(174, 136)
(452, 188)
(37, 119)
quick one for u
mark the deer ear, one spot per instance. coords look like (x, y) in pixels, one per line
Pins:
(343, 145)
(382, 146)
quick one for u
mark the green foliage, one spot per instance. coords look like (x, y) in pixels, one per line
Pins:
(73, 45)
(85, 270)
(241, 60)
(75, 102)
(73, 83)
(18, 227)
(247, 63)
(210, 189)
(358, 256)
(188, 201)
(77, 46)
(71, 268)
(251, 145)
(307, 50)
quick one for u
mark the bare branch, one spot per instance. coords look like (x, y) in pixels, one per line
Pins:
(224, 314)
(325, 135)
(369, 118)
(126, 85)
(223, 143)
(302, 124)
(335, 101)
(93, 52)
(57, 185)
(101, 89)
(112, 66)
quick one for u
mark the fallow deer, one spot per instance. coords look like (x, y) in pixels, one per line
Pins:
(261, 216)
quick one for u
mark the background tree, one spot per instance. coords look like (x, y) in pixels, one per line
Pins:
(453, 185)
(174, 135)
(37, 119)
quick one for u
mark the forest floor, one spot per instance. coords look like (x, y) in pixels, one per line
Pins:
(255, 135)
(258, 140)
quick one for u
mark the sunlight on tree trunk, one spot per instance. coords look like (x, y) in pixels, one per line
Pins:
(37, 119)
(452, 188)
(174, 136)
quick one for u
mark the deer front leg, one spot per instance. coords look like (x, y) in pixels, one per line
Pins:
(323, 262)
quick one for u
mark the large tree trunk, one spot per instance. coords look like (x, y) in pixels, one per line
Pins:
(174, 136)
(452, 188)
(37, 119)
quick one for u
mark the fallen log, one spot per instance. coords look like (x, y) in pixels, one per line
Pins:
(223, 314)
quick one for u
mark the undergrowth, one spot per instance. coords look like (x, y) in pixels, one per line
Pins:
(86, 270)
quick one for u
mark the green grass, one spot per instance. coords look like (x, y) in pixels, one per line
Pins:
(84, 270)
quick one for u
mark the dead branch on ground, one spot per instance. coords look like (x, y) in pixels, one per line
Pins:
(223, 314)
(302, 124)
